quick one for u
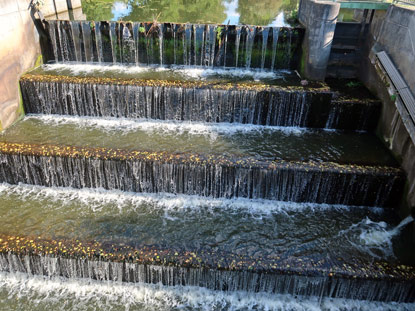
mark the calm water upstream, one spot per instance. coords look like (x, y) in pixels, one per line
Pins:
(264, 12)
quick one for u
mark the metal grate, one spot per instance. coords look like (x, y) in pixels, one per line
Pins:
(398, 82)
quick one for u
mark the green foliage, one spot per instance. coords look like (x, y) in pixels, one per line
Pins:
(98, 10)
(219, 34)
(178, 11)
(142, 29)
(263, 12)
(393, 97)
(353, 84)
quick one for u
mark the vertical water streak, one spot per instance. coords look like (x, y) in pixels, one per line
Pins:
(62, 42)
(199, 31)
(52, 34)
(213, 33)
(248, 45)
(175, 27)
(98, 42)
(225, 47)
(160, 34)
(237, 43)
(136, 34)
(128, 45)
(113, 38)
(265, 32)
(288, 48)
(86, 37)
(275, 33)
(209, 45)
(188, 44)
(76, 40)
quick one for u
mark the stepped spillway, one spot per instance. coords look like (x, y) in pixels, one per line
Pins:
(224, 139)
(218, 174)
(200, 95)
(192, 161)
(86, 235)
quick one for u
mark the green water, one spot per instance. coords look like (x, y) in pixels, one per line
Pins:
(219, 139)
(257, 228)
(173, 73)
(262, 12)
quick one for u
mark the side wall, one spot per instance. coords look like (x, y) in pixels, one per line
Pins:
(19, 49)
(393, 31)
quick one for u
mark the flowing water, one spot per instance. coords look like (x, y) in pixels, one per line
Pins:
(176, 44)
(181, 164)
(193, 94)
(257, 228)
(233, 12)
(233, 140)
(22, 292)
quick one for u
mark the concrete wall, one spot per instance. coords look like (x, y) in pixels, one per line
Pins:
(55, 8)
(19, 49)
(394, 32)
(319, 18)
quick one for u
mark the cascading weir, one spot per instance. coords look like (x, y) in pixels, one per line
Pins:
(217, 271)
(254, 265)
(206, 175)
(176, 44)
(249, 103)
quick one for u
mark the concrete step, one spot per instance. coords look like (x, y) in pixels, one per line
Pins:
(207, 95)
(305, 249)
(197, 173)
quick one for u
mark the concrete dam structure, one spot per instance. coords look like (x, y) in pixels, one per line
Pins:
(172, 165)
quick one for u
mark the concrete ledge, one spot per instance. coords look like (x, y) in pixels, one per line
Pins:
(306, 276)
(198, 174)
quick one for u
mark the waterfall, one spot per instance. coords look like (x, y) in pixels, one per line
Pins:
(249, 43)
(98, 42)
(279, 107)
(87, 41)
(113, 37)
(76, 40)
(361, 116)
(205, 45)
(264, 46)
(214, 279)
(275, 34)
(160, 32)
(296, 182)
(237, 44)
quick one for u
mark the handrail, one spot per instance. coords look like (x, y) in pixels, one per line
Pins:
(399, 83)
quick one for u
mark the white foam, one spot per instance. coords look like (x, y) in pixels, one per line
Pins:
(95, 199)
(36, 293)
(374, 237)
(124, 125)
(193, 72)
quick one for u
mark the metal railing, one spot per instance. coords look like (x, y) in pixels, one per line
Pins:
(404, 2)
(399, 83)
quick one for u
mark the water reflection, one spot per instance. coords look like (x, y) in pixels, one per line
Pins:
(233, 12)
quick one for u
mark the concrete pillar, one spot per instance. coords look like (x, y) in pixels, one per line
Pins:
(319, 18)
